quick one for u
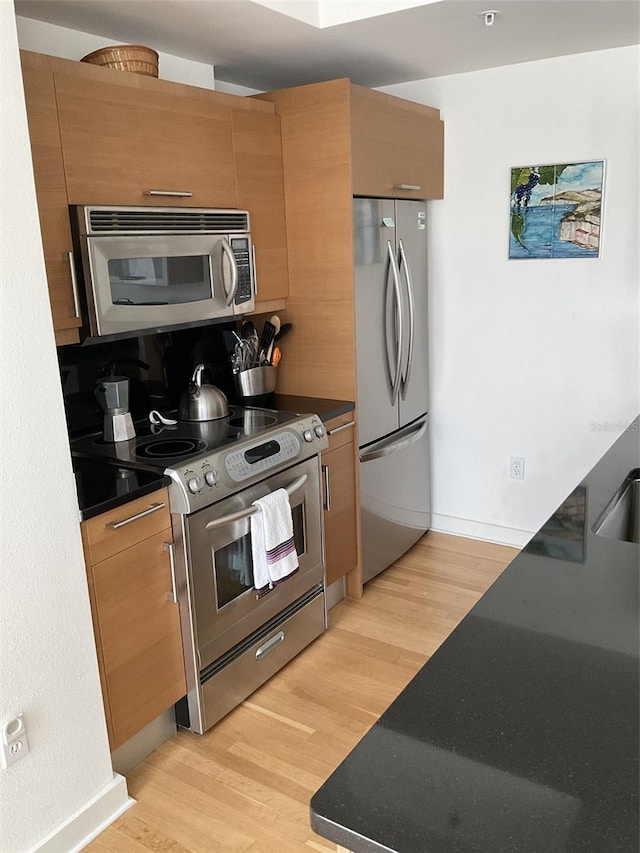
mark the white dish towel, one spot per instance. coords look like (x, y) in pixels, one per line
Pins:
(272, 546)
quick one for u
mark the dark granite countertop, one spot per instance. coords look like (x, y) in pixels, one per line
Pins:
(325, 409)
(102, 486)
(520, 734)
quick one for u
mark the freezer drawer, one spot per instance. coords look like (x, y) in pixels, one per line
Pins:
(394, 496)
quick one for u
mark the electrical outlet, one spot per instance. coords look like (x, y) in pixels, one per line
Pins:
(516, 467)
(14, 740)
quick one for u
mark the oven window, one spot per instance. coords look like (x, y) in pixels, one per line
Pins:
(233, 564)
(159, 281)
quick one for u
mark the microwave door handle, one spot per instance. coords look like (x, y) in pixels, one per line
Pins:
(228, 251)
(251, 510)
(404, 263)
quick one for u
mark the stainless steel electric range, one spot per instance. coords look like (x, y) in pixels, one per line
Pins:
(233, 639)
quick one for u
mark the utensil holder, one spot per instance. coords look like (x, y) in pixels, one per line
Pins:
(256, 385)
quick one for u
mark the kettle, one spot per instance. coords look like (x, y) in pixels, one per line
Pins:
(202, 402)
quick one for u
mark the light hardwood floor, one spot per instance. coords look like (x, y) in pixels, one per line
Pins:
(245, 786)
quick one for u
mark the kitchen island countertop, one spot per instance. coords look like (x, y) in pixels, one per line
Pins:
(520, 734)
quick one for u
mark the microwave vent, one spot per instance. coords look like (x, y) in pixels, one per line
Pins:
(102, 220)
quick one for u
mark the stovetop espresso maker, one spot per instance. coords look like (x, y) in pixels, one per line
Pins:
(113, 396)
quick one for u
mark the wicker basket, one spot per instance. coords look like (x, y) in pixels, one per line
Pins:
(126, 57)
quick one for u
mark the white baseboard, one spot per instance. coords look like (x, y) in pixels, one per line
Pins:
(89, 821)
(480, 530)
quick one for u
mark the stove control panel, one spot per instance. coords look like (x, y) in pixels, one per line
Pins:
(245, 463)
(204, 481)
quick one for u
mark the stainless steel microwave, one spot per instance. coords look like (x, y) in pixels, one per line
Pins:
(154, 268)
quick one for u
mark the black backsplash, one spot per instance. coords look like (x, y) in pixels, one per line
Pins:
(159, 368)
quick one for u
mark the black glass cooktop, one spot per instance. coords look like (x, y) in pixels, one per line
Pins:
(162, 446)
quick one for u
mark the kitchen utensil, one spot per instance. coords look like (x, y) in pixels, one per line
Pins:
(202, 402)
(275, 322)
(113, 396)
(268, 334)
(276, 356)
(256, 382)
(156, 418)
(247, 329)
(285, 328)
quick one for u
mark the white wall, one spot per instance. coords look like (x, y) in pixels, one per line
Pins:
(42, 37)
(531, 358)
(48, 665)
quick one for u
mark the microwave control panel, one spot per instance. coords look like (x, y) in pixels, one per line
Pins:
(240, 247)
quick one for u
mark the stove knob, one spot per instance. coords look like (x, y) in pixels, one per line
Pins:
(320, 431)
(194, 485)
(211, 477)
(307, 435)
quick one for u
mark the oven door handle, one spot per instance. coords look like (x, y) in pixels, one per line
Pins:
(251, 510)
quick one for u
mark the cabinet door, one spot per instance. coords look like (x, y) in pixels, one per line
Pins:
(119, 143)
(257, 147)
(340, 516)
(139, 635)
(51, 192)
(397, 147)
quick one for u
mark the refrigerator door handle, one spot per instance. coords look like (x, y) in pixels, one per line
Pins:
(399, 441)
(404, 263)
(395, 385)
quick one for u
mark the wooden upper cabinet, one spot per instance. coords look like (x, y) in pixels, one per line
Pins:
(257, 151)
(397, 147)
(120, 143)
(51, 192)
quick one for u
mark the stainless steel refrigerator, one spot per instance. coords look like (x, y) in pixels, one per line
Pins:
(390, 252)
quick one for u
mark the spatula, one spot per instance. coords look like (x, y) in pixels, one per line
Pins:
(268, 334)
(275, 321)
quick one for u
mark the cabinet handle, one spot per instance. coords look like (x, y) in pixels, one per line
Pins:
(171, 193)
(74, 286)
(407, 187)
(327, 487)
(341, 427)
(115, 525)
(170, 548)
(255, 271)
(263, 650)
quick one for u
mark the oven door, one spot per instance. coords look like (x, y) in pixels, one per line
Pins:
(224, 606)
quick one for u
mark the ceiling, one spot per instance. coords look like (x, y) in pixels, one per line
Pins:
(254, 45)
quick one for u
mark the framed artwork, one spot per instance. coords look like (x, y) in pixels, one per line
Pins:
(556, 211)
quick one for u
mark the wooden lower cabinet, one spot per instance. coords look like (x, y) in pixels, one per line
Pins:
(136, 620)
(340, 500)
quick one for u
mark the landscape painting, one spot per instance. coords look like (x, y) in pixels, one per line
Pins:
(556, 210)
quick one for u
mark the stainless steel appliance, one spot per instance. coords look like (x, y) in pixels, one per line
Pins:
(390, 253)
(202, 402)
(233, 639)
(113, 397)
(160, 267)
